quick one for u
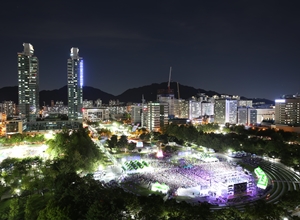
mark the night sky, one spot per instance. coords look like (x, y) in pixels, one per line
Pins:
(247, 48)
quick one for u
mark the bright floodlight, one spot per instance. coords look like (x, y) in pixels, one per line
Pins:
(159, 154)
(49, 135)
(17, 191)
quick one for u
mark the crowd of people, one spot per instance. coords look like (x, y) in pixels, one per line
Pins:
(186, 174)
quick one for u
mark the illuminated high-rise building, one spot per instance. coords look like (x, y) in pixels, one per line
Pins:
(75, 83)
(207, 108)
(28, 83)
(136, 113)
(156, 115)
(287, 110)
(246, 116)
(225, 111)
(194, 109)
(181, 108)
(9, 108)
(167, 96)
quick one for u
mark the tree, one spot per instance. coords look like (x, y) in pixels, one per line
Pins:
(34, 204)
(104, 210)
(152, 207)
(123, 141)
(112, 142)
(261, 210)
(76, 149)
(207, 128)
(145, 136)
(16, 211)
(131, 146)
(228, 214)
(104, 132)
(53, 212)
(83, 198)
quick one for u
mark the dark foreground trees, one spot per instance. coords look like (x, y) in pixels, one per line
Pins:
(85, 198)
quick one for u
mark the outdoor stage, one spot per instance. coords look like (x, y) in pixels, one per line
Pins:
(215, 181)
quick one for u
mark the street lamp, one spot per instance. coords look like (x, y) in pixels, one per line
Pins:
(18, 191)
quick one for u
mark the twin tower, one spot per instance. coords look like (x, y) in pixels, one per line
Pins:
(28, 84)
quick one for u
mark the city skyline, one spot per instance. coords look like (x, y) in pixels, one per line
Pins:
(248, 48)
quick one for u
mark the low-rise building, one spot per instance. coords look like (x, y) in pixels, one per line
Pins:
(15, 125)
(95, 114)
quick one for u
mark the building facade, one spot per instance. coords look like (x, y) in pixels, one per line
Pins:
(252, 116)
(245, 103)
(15, 126)
(194, 109)
(225, 111)
(57, 108)
(136, 113)
(157, 115)
(9, 108)
(95, 114)
(167, 96)
(242, 116)
(207, 108)
(265, 114)
(88, 103)
(28, 83)
(75, 83)
(287, 111)
(181, 108)
(246, 116)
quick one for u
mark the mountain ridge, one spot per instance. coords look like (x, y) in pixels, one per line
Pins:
(133, 95)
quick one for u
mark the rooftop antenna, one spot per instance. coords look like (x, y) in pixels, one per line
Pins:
(169, 79)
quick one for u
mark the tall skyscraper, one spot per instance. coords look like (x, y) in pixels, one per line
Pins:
(225, 111)
(28, 83)
(75, 83)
